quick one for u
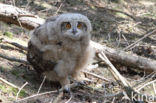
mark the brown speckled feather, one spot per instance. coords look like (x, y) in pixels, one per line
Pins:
(35, 58)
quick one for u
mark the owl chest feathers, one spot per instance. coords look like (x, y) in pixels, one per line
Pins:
(68, 50)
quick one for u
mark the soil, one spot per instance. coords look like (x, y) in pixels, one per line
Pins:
(116, 23)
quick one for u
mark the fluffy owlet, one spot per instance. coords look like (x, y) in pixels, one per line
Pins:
(60, 47)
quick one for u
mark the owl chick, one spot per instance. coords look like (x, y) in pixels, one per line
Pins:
(60, 47)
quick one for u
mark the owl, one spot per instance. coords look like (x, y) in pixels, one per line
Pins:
(60, 47)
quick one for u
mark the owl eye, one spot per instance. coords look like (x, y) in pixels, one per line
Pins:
(79, 25)
(68, 25)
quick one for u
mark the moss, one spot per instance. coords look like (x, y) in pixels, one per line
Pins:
(8, 34)
(3, 88)
(23, 93)
(15, 91)
(121, 15)
(7, 89)
(1, 33)
(118, 1)
(1, 69)
(15, 72)
(4, 69)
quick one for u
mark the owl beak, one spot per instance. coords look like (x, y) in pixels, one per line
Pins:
(74, 31)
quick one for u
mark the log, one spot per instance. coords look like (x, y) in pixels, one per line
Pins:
(14, 15)
(124, 58)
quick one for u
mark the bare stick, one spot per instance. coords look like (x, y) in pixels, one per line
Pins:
(71, 96)
(113, 10)
(27, 5)
(119, 94)
(113, 70)
(125, 39)
(51, 101)
(33, 96)
(21, 89)
(124, 84)
(113, 100)
(146, 35)
(154, 88)
(8, 83)
(13, 59)
(59, 8)
(16, 45)
(41, 84)
(146, 85)
(49, 92)
(97, 76)
(57, 99)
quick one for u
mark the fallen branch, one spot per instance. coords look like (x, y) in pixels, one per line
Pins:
(124, 83)
(97, 76)
(58, 98)
(136, 42)
(15, 44)
(21, 89)
(123, 58)
(33, 96)
(41, 84)
(13, 59)
(8, 83)
(45, 93)
(146, 85)
(113, 10)
(13, 15)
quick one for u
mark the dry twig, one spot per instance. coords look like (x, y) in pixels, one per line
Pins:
(154, 88)
(45, 93)
(71, 96)
(125, 85)
(15, 44)
(97, 76)
(59, 8)
(113, 70)
(33, 96)
(13, 59)
(8, 83)
(21, 89)
(58, 98)
(133, 44)
(41, 84)
(146, 85)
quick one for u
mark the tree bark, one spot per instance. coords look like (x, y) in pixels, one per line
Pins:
(14, 15)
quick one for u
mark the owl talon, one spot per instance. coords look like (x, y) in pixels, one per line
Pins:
(82, 82)
(66, 89)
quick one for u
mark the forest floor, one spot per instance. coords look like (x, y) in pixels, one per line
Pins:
(115, 24)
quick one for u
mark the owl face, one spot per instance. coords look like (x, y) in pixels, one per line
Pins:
(73, 29)
(73, 26)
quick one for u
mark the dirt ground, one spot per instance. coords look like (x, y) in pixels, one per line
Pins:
(116, 23)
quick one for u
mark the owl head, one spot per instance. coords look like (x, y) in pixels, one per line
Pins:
(73, 26)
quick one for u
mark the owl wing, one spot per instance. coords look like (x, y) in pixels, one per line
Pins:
(46, 31)
(52, 18)
(35, 58)
(42, 35)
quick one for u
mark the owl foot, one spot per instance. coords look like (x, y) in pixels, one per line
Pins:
(66, 89)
